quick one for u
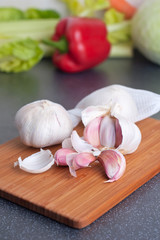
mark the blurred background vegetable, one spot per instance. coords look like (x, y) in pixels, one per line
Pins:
(21, 35)
(119, 28)
(123, 19)
(17, 56)
(146, 30)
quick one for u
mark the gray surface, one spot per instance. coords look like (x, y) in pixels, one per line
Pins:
(136, 217)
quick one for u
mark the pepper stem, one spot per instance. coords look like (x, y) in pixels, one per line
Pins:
(61, 45)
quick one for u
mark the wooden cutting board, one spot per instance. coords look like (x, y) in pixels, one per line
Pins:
(79, 201)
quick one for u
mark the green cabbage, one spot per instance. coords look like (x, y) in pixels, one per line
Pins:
(146, 30)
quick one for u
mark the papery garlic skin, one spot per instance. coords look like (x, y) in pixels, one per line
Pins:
(36, 163)
(131, 136)
(114, 164)
(43, 123)
(139, 105)
(115, 98)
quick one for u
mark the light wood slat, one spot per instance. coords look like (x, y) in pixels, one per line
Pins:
(79, 201)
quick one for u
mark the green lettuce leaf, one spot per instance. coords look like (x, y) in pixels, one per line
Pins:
(18, 56)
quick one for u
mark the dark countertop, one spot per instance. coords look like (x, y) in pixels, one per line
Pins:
(138, 216)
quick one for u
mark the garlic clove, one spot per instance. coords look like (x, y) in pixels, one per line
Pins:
(93, 112)
(60, 156)
(80, 145)
(107, 132)
(43, 123)
(131, 136)
(114, 164)
(118, 132)
(36, 163)
(80, 160)
(91, 132)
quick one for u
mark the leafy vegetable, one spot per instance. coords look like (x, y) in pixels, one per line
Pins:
(21, 36)
(8, 14)
(87, 9)
(119, 33)
(19, 55)
(146, 30)
(119, 29)
(33, 13)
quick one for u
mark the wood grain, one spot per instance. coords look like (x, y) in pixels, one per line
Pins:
(77, 202)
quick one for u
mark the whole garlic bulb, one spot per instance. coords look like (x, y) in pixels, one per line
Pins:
(43, 123)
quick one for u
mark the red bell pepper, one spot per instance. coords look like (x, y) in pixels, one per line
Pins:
(81, 43)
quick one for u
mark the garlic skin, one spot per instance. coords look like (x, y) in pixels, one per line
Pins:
(36, 163)
(43, 123)
(114, 164)
(114, 98)
(133, 104)
(131, 136)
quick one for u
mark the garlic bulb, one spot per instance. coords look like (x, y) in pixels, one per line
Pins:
(36, 163)
(133, 104)
(43, 123)
(114, 98)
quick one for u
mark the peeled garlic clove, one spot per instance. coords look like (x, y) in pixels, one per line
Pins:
(80, 160)
(91, 132)
(114, 164)
(60, 156)
(43, 123)
(131, 136)
(107, 132)
(36, 163)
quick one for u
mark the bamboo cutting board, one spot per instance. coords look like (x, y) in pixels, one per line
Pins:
(79, 201)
